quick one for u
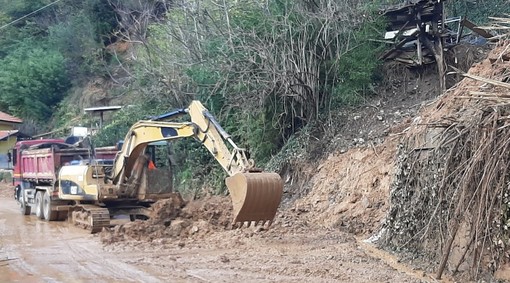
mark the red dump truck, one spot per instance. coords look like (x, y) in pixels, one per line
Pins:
(37, 165)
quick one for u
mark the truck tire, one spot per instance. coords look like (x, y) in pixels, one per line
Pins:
(46, 206)
(25, 209)
(39, 204)
(20, 197)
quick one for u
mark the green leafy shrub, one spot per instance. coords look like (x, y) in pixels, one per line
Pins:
(33, 80)
(6, 176)
(358, 66)
(477, 11)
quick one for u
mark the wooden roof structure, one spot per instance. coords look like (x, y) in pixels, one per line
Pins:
(4, 117)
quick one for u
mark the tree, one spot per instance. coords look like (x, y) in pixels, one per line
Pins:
(269, 67)
(32, 81)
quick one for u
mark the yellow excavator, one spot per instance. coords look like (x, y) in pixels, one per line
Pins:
(91, 190)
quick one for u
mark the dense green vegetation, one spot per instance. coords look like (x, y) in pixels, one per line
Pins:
(478, 11)
(266, 69)
(44, 55)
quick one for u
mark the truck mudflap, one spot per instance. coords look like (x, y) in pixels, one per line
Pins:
(255, 197)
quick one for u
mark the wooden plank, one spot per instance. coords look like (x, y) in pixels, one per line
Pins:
(470, 25)
(395, 48)
(419, 51)
(485, 80)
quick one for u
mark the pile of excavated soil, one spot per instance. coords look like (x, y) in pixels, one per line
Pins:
(350, 190)
(175, 218)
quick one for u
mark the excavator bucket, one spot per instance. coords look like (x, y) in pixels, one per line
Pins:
(255, 196)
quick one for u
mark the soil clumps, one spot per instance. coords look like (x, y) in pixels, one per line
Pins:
(175, 218)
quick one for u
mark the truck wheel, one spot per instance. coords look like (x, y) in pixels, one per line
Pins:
(20, 197)
(25, 209)
(46, 206)
(39, 205)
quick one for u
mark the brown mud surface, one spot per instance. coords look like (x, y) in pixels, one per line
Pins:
(36, 251)
(196, 242)
(6, 190)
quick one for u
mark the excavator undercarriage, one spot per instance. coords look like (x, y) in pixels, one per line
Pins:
(90, 217)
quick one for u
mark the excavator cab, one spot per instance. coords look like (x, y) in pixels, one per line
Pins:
(159, 170)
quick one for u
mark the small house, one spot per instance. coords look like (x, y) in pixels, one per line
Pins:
(8, 136)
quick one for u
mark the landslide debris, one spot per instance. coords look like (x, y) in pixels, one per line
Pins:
(343, 179)
(175, 218)
(450, 199)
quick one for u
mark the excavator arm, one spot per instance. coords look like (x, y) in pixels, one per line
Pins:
(255, 195)
(214, 138)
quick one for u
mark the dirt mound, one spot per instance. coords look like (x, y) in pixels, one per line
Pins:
(350, 190)
(166, 210)
(215, 210)
(175, 218)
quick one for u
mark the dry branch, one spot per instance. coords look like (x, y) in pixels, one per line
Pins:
(462, 173)
(482, 79)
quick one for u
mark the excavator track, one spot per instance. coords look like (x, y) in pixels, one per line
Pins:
(91, 218)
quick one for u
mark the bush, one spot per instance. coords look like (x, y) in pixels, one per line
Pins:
(33, 80)
(477, 11)
(5, 176)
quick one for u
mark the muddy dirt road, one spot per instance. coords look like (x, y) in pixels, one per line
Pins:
(61, 253)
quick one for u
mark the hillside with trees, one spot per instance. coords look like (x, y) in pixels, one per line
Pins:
(269, 70)
(382, 168)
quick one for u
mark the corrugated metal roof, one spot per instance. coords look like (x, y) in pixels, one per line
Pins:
(8, 118)
(5, 134)
(102, 108)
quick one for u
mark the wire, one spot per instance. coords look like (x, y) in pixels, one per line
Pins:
(29, 14)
